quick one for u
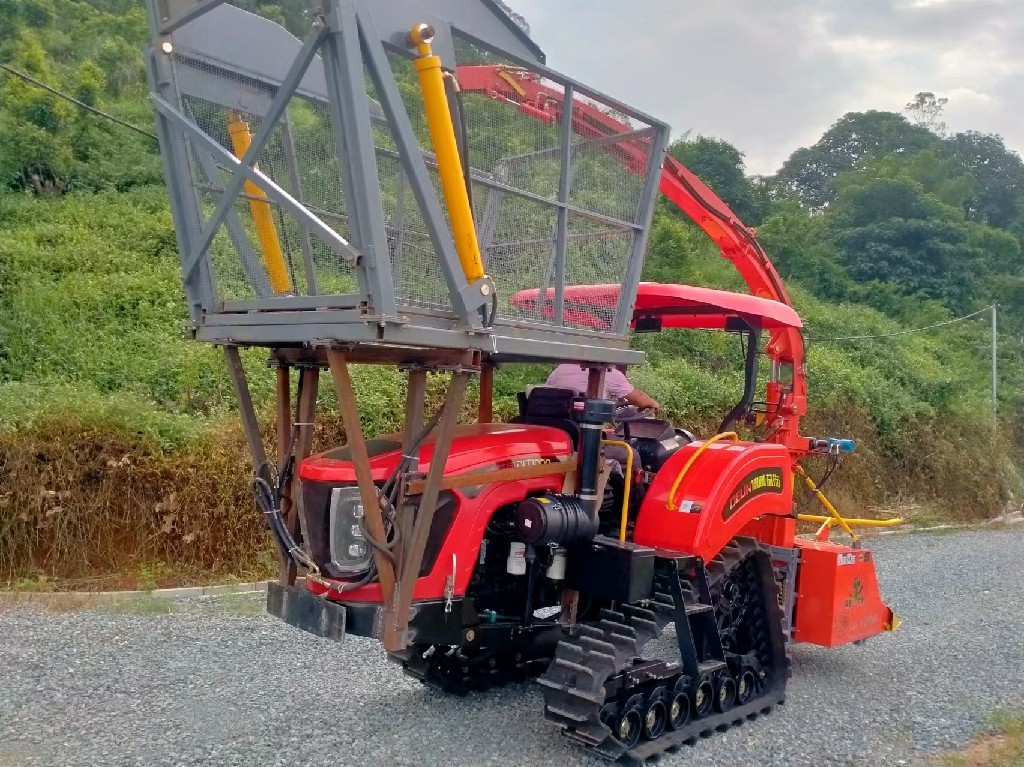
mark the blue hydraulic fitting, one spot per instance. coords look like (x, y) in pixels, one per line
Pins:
(834, 445)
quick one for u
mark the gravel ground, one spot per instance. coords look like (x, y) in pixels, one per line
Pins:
(216, 683)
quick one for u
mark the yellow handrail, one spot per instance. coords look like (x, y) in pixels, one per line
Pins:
(628, 486)
(273, 259)
(446, 151)
(670, 503)
(852, 522)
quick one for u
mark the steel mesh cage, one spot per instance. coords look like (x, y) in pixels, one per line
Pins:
(560, 180)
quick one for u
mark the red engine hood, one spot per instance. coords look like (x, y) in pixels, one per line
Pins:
(475, 446)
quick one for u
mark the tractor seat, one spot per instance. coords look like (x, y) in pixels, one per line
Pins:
(548, 406)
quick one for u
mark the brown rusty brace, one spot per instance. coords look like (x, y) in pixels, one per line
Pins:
(361, 462)
(397, 570)
(417, 541)
(286, 571)
(304, 413)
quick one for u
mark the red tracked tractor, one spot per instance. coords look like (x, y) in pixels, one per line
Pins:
(409, 185)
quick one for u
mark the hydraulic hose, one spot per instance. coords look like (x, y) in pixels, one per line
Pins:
(749, 381)
(268, 500)
(455, 106)
(670, 503)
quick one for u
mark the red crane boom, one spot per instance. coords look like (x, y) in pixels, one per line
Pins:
(786, 393)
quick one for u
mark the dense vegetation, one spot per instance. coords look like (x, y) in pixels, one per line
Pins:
(118, 444)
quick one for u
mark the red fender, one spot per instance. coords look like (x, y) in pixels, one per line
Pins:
(729, 485)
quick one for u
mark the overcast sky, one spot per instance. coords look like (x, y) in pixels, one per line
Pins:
(771, 75)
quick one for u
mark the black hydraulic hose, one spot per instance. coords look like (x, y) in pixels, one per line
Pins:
(267, 500)
(389, 490)
(454, 94)
(749, 382)
(371, 574)
(413, 450)
(383, 547)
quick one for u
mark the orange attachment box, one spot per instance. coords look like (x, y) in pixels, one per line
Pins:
(837, 597)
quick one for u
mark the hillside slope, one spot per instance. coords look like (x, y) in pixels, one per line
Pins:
(119, 444)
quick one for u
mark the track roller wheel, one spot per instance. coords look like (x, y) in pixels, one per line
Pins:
(725, 693)
(745, 688)
(678, 706)
(703, 699)
(629, 725)
(656, 713)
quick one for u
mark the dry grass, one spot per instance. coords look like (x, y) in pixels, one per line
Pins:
(77, 503)
(103, 510)
(932, 472)
(53, 604)
(1002, 747)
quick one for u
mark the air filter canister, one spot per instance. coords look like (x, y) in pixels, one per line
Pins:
(554, 518)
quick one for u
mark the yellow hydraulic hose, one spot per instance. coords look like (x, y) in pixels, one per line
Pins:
(273, 258)
(670, 504)
(629, 480)
(446, 150)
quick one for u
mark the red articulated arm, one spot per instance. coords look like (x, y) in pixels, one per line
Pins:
(786, 402)
(787, 399)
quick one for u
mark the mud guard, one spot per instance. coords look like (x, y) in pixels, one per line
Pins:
(730, 484)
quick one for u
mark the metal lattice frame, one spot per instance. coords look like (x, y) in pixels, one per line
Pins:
(338, 165)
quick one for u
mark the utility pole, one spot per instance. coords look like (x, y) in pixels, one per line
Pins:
(995, 379)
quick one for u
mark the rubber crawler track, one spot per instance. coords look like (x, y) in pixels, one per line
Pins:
(453, 677)
(574, 684)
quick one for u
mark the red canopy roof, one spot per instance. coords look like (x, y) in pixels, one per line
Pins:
(677, 306)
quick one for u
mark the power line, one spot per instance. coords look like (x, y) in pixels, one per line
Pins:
(906, 332)
(76, 102)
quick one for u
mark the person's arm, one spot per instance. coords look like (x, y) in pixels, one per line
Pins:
(642, 400)
(619, 387)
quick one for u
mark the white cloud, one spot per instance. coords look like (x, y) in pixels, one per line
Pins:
(771, 76)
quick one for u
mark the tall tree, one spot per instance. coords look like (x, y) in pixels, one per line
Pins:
(720, 165)
(891, 230)
(926, 111)
(935, 169)
(809, 173)
(999, 175)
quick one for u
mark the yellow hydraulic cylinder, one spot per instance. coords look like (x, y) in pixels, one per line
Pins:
(273, 258)
(446, 150)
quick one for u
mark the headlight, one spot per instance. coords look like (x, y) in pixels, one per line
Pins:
(350, 551)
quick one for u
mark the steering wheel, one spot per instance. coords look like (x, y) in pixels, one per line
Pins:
(627, 414)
